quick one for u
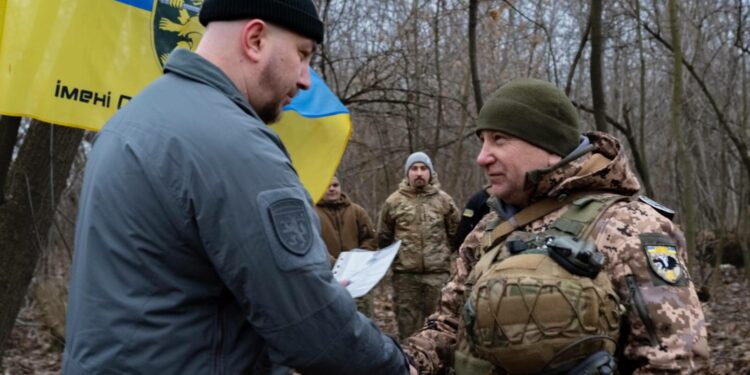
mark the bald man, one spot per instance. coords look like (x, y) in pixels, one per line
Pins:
(197, 249)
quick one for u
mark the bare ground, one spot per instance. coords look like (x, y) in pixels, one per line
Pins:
(33, 349)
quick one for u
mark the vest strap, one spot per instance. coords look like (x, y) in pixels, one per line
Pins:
(527, 215)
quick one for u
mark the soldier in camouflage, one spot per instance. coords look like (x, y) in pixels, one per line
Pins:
(425, 219)
(532, 151)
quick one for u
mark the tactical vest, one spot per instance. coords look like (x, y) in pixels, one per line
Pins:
(537, 303)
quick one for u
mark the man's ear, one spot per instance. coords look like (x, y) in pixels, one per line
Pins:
(254, 39)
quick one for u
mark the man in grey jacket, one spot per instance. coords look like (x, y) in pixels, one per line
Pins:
(197, 249)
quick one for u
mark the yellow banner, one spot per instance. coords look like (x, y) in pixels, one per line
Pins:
(76, 62)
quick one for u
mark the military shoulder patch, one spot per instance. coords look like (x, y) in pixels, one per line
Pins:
(661, 256)
(291, 225)
(660, 208)
(468, 212)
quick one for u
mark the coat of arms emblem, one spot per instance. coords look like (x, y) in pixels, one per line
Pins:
(175, 24)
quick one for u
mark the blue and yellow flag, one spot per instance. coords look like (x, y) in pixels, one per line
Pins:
(315, 121)
(76, 62)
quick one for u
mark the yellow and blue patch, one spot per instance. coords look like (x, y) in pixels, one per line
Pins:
(664, 262)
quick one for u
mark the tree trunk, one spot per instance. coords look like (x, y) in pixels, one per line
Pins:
(577, 57)
(8, 137)
(642, 105)
(743, 214)
(439, 79)
(683, 160)
(457, 154)
(473, 5)
(738, 141)
(597, 86)
(417, 88)
(36, 180)
(721, 230)
(323, 53)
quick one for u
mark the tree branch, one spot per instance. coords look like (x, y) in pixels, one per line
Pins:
(737, 141)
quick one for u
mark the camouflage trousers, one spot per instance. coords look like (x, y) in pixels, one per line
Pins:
(415, 297)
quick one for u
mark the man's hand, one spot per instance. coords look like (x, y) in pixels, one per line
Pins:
(413, 371)
(344, 282)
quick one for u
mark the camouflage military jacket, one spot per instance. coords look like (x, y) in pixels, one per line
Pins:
(425, 221)
(622, 234)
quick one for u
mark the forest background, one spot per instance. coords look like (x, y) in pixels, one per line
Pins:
(668, 78)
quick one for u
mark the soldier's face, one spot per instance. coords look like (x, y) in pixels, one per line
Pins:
(505, 160)
(334, 191)
(286, 71)
(419, 175)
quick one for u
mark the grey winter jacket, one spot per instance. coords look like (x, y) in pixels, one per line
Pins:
(198, 251)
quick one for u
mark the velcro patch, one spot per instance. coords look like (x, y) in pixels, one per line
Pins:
(291, 225)
(661, 253)
(468, 212)
(660, 208)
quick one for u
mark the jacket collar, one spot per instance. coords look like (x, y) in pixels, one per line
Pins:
(432, 188)
(581, 171)
(194, 67)
(341, 202)
(614, 175)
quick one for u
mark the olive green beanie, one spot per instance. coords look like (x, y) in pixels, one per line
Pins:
(535, 111)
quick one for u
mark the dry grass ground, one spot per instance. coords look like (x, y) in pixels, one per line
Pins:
(33, 349)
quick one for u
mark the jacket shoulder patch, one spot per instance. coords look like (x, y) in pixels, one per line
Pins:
(291, 225)
(661, 256)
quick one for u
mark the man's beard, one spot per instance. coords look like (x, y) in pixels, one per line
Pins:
(271, 79)
(269, 113)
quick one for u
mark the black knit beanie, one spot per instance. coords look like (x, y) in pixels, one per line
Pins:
(535, 111)
(299, 16)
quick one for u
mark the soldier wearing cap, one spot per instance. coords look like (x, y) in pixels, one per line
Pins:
(425, 219)
(616, 294)
(198, 251)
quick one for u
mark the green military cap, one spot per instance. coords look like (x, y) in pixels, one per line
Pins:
(535, 111)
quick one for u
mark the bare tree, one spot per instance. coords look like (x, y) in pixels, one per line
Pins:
(8, 136)
(35, 181)
(685, 166)
(642, 102)
(478, 100)
(597, 86)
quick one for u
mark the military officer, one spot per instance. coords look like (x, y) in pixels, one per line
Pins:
(569, 272)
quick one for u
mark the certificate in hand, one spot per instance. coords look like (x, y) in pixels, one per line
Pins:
(364, 268)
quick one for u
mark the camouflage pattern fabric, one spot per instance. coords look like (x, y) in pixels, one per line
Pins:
(415, 297)
(424, 220)
(623, 234)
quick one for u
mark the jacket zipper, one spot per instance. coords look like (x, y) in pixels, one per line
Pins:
(338, 229)
(421, 218)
